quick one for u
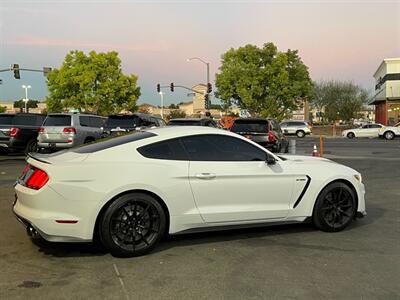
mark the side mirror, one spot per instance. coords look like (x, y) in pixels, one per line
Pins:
(270, 160)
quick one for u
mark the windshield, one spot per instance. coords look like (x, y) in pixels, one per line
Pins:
(6, 119)
(258, 126)
(121, 121)
(57, 120)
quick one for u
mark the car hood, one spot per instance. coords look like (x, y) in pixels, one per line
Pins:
(303, 158)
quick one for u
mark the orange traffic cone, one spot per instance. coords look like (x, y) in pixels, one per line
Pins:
(315, 151)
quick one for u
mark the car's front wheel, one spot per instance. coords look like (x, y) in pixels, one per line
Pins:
(132, 225)
(389, 135)
(350, 135)
(335, 207)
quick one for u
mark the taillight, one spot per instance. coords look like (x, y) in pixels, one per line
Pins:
(14, 131)
(41, 130)
(69, 130)
(271, 137)
(26, 169)
(37, 180)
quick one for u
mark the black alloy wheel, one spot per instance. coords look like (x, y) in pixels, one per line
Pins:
(335, 207)
(132, 225)
(350, 135)
(31, 147)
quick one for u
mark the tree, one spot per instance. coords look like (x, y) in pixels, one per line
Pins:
(264, 81)
(21, 104)
(173, 106)
(3, 109)
(342, 100)
(92, 83)
(177, 113)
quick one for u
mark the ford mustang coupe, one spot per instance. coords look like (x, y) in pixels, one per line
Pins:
(129, 191)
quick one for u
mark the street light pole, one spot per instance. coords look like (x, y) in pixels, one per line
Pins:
(26, 87)
(204, 62)
(162, 104)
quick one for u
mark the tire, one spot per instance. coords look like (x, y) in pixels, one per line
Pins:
(89, 140)
(389, 135)
(335, 207)
(31, 146)
(125, 235)
(300, 133)
(351, 135)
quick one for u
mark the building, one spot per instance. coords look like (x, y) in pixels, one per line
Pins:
(387, 92)
(303, 113)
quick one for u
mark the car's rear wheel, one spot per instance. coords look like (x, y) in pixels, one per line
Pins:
(389, 135)
(132, 225)
(335, 207)
(300, 133)
(351, 135)
(31, 146)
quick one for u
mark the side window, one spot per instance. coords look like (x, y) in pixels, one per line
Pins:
(84, 121)
(375, 126)
(365, 126)
(169, 150)
(215, 147)
(96, 122)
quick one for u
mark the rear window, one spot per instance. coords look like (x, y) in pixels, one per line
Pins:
(6, 119)
(121, 121)
(258, 126)
(57, 120)
(185, 122)
(27, 120)
(103, 144)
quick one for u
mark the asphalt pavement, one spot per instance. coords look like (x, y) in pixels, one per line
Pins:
(278, 262)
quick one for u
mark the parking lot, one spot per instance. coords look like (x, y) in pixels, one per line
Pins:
(278, 262)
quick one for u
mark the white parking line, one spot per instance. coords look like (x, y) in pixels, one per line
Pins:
(121, 281)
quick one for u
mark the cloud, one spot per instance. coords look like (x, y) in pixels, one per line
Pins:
(154, 46)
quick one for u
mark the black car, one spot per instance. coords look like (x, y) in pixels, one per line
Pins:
(19, 132)
(121, 123)
(265, 132)
(193, 122)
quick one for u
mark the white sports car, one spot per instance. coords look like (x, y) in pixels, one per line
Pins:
(131, 190)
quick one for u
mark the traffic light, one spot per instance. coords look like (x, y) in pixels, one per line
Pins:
(46, 71)
(206, 102)
(171, 86)
(158, 88)
(209, 88)
(15, 68)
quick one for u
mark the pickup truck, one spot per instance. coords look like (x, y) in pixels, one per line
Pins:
(19, 132)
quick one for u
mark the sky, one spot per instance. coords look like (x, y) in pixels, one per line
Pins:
(341, 40)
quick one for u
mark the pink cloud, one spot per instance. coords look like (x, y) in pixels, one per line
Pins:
(159, 46)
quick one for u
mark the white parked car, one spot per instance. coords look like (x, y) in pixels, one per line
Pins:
(131, 190)
(368, 130)
(390, 132)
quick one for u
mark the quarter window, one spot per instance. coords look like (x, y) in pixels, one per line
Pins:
(169, 150)
(215, 147)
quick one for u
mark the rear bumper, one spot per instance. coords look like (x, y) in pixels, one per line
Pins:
(40, 212)
(62, 145)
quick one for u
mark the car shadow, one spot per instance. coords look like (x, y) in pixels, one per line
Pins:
(192, 239)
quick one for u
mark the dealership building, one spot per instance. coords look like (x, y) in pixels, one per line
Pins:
(387, 92)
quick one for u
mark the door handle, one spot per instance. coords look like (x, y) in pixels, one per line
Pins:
(206, 176)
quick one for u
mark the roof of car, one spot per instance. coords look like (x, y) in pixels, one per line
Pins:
(253, 119)
(189, 119)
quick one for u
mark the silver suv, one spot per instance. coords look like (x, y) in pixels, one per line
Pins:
(299, 128)
(66, 130)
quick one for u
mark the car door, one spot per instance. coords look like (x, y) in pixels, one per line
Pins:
(362, 132)
(374, 130)
(231, 181)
